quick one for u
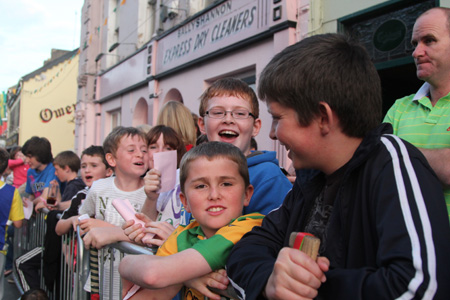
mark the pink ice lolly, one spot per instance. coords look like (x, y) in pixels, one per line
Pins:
(126, 210)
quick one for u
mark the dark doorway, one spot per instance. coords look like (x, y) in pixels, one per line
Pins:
(398, 82)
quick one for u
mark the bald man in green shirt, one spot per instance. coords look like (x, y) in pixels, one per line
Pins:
(423, 119)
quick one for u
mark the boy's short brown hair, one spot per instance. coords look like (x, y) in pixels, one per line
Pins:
(331, 68)
(68, 158)
(96, 151)
(229, 87)
(212, 150)
(111, 142)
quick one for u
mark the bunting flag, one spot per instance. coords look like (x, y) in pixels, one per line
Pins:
(106, 22)
(51, 80)
(123, 2)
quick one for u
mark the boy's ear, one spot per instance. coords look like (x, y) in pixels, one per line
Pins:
(67, 169)
(256, 127)
(326, 117)
(248, 194)
(184, 201)
(201, 125)
(109, 172)
(110, 159)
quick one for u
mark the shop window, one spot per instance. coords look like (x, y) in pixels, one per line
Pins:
(115, 119)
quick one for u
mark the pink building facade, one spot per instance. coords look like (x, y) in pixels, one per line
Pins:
(136, 55)
(231, 38)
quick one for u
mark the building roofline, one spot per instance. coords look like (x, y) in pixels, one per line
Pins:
(50, 64)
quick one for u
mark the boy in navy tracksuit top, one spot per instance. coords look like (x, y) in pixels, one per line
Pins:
(377, 206)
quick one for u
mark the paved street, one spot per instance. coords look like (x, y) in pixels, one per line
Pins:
(10, 290)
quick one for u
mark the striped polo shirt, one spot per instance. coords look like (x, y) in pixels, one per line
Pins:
(415, 120)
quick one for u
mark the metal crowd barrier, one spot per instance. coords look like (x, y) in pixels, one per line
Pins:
(116, 251)
(75, 259)
(28, 237)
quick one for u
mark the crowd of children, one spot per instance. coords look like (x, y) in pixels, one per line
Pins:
(372, 199)
(129, 153)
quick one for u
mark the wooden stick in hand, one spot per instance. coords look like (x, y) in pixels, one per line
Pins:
(306, 243)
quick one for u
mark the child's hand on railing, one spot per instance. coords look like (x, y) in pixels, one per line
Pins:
(217, 279)
(87, 224)
(98, 237)
(39, 203)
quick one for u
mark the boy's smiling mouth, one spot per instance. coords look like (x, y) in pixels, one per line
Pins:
(228, 134)
(215, 209)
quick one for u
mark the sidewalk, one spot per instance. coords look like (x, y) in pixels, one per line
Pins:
(10, 290)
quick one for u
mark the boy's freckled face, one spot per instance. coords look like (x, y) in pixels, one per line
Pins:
(299, 141)
(215, 193)
(229, 130)
(92, 169)
(131, 157)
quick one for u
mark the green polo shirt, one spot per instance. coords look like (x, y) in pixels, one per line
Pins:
(415, 120)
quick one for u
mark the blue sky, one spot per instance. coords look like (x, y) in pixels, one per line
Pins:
(29, 29)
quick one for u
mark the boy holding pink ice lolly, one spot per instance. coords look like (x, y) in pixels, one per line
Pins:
(127, 153)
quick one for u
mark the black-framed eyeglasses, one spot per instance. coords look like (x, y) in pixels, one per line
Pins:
(220, 113)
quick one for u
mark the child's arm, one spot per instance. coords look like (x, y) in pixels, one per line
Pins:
(88, 224)
(64, 225)
(167, 293)
(18, 224)
(98, 237)
(63, 205)
(39, 200)
(152, 272)
(15, 162)
(152, 184)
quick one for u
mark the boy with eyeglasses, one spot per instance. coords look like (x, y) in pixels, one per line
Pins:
(229, 112)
